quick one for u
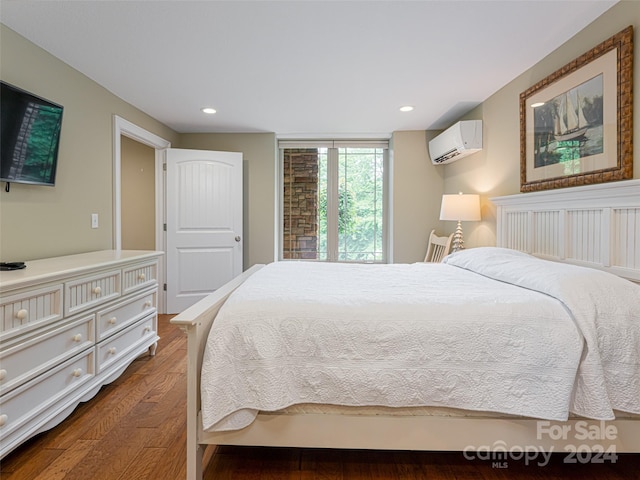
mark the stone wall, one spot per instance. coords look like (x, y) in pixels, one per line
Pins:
(300, 204)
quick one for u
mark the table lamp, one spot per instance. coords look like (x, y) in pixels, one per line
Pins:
(460, 208)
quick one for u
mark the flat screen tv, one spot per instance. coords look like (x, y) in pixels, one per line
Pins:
(30, 137)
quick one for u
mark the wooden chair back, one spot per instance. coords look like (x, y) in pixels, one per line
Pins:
(438, 247)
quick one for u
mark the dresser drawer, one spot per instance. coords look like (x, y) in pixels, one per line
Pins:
(26, 357)
(27, 310)
(23, 403)
(122, 343)
(139, 276)
(91, 291)
(123, 314)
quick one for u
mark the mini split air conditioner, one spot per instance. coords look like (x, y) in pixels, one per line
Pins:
(456, 142)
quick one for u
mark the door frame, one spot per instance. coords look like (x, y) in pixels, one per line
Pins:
(124, 127)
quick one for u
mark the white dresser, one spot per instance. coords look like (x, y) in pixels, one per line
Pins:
(69, 325)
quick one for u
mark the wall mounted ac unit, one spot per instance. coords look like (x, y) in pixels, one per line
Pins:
(456, 142)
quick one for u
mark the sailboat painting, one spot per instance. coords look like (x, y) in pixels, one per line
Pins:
(576, 124)
(569, 126)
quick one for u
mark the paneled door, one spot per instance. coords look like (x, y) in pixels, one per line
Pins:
(204, 223)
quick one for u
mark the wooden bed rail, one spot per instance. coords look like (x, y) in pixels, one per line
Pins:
(196, 322)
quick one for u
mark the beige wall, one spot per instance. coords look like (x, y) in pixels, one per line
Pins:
(417, 191)
(138, 195)
(259, 186)
(36, 221)
(496, 169)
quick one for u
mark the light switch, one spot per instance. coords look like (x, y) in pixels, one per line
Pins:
(94, 220)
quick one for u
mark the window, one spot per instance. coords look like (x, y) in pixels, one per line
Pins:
(334, 201)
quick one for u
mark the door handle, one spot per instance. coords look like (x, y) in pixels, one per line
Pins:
(238, 238)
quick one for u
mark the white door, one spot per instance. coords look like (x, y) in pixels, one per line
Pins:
(204, 223)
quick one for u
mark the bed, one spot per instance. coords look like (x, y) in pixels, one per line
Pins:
(563, 364)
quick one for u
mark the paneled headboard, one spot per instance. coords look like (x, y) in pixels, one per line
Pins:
(593, 225)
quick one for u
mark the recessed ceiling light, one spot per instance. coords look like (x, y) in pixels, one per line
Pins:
(406, 108)
(209, 110)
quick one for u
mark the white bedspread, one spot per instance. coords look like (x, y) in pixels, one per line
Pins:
(491, 330)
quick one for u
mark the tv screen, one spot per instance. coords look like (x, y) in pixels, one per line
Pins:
(30, 137)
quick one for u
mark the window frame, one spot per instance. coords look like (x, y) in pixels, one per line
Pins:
(332, 187)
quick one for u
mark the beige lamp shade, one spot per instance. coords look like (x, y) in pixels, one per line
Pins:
(460, 207)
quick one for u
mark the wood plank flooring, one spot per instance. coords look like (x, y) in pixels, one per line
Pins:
(134, 429)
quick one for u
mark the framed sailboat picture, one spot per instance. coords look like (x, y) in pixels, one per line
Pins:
(576, 125)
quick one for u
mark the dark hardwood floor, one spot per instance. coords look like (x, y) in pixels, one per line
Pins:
(134, 429)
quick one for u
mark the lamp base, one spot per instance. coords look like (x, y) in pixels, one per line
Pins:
(458, 242)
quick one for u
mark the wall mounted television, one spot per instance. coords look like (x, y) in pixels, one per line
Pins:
(30, 138)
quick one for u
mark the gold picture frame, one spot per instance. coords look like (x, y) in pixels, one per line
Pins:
(576, 125)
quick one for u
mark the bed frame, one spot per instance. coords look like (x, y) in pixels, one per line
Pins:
(597, 226)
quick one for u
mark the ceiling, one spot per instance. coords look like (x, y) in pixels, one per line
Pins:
(302, 68)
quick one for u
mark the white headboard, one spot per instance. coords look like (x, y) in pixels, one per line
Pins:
(593, 225)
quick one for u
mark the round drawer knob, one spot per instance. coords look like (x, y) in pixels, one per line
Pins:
(22, 314)
(97, 290)
(112, 351)
(147, 304)
(147, 328)
(3, 374)
(3, 420)
(142, 276)
(112, 321)
(77, 372)
(77, 337)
